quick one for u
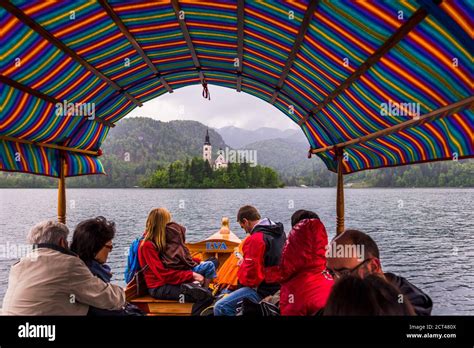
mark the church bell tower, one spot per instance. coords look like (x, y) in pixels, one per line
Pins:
(207, 149)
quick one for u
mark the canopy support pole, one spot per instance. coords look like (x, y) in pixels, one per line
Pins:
(340, 193)
(62, 191)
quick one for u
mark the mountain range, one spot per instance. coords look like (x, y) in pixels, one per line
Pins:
(147, 140)
(238, 137)
(137, 147)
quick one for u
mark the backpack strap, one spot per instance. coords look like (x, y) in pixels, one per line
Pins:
(140, 280)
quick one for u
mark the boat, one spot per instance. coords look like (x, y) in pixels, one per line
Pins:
(222, 245)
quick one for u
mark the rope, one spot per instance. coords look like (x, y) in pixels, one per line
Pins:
(205, 91)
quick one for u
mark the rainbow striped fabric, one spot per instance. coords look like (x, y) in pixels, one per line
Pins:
(428, 68)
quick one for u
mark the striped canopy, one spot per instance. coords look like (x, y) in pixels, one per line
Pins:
(387, 82)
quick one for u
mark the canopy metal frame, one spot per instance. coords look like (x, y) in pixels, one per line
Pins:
(133, 41)
(308, 16)
(240, 43)
(46, 97)
(187, 37)
(429, 117)
(27, 20)
(375, 57)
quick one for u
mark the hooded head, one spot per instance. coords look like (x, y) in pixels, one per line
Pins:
(305, 248)
(302, 215)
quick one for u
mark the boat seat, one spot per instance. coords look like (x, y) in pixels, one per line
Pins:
(154, 306)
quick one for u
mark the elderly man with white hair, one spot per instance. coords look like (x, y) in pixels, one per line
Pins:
(51, 280)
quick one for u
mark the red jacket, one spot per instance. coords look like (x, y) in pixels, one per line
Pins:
(156, 274)
(304, 289)
(261, 257)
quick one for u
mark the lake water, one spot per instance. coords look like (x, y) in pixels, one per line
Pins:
(425, 235)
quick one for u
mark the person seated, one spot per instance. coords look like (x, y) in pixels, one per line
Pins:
(354, 252)
(171, 273)
(258, 273)
(92, 242)
(176, 254)
(368, 296)
(304, 288)
(52, 280)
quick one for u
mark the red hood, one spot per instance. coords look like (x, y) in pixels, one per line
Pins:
(304, 249)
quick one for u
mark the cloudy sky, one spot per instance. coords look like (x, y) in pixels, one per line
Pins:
(226, 108)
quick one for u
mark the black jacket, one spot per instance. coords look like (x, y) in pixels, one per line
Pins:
(267, 239)
(421, 302)
(274, 237)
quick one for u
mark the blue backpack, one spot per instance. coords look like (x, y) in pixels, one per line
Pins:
(133, 266)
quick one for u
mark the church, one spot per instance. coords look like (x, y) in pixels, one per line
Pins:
(220, 161)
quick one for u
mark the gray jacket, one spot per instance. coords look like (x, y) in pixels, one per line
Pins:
(53, 281)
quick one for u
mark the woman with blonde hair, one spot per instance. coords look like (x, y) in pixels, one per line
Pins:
(172, 274)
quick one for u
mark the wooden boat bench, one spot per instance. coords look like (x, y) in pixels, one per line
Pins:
(153, 306)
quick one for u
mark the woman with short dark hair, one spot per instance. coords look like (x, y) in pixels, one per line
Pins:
(92, 242)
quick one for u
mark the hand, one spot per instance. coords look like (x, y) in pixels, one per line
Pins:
(268, 299)
(197, 277)
(240, 258)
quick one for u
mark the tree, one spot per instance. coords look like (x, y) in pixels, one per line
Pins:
(198, 173)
